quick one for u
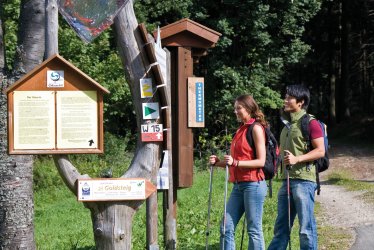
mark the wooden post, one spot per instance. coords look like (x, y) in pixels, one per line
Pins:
(187, 41)
(169, 196)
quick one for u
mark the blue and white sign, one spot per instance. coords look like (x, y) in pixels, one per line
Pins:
(196, 102)
(199, 102)
(55, 78)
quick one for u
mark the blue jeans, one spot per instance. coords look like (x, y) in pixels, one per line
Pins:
(245, 197)
(302, 204)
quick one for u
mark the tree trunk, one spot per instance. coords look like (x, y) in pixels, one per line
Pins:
(333, 71)
(345, 93)
(16, 192)
(51, 23)
(112, 221)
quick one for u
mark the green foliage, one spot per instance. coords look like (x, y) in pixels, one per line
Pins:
(9, 15)
(161, 12)
(45, 174)
(115, 161)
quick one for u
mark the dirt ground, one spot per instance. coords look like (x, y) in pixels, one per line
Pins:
(346, 209)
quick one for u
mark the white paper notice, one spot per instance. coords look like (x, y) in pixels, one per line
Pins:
(34, 114)
(77, 115)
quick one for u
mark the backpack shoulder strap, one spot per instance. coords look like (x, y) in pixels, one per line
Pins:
(250, 137)
(305, 129)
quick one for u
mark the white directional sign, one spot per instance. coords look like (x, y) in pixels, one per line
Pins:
(152, 132)
(114, 189)
(151, 110)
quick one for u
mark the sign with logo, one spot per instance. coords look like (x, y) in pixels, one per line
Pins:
(152, 132)
(146, 88)
(196, 102)
(114, 189)
(151, 110)
(55, 78)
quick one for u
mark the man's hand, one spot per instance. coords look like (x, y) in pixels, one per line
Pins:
(290, 159)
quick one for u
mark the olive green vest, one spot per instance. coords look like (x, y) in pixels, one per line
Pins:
(292, 139)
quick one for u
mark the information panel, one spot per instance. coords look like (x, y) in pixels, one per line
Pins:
(34, 127)
(46, 120)
(76, 119)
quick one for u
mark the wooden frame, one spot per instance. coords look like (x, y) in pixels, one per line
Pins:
(74, 80)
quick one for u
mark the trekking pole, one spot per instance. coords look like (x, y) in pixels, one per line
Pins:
(209, 207)
(225, 196)
(288, 167)
(289, 205)
(241, 242)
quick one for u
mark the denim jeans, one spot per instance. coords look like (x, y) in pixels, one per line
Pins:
(302, 204)
(245, 197)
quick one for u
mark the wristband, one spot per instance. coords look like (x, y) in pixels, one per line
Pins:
(235, 163)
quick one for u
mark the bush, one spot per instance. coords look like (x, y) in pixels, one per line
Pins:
(112, 163)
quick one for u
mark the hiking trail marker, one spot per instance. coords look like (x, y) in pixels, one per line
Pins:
(152, 132)
(146, 88)
(151, 110)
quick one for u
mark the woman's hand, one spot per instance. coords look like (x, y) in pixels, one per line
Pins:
(213, 159)
(229, 160)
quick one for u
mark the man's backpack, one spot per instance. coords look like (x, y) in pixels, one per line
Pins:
(323, 163)
(272, 154)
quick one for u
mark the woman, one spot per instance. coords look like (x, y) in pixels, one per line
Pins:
(249, 190)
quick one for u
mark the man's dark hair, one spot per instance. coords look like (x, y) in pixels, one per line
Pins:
(300, 92)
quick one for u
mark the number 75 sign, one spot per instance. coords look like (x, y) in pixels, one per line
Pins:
(152, 132)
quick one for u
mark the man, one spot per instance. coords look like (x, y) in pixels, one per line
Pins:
(298, 171)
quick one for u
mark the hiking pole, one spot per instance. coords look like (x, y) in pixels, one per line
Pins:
(288, 167)
(289, 205)
(241, 242)
(225, 196)
(209, 207)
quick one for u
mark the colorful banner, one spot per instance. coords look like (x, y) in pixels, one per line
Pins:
(90, 17)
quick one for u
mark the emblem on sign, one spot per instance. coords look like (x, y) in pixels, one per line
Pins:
(151, 110)
(152, 132)
(55, 78)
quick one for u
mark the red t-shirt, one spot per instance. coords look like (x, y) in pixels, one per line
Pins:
(315, 130)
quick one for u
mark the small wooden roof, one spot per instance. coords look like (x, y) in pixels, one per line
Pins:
(187, 33)
(56, 60)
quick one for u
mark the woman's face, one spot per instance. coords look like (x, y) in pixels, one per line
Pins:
(291, 105)
(241, 113)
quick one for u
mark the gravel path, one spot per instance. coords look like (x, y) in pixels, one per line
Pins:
(346, 209)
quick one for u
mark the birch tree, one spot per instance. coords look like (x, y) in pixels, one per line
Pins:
(16, 193)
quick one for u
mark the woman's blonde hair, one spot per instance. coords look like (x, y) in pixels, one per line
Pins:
(252, 108)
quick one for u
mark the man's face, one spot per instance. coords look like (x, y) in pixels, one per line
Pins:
(291, 105)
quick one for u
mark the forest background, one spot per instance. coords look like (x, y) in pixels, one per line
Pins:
(265, 45)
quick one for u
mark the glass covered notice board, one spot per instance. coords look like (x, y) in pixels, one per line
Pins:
(54, 122)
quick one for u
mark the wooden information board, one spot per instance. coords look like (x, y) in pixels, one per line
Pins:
(55, 109)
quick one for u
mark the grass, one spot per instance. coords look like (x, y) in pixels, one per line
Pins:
(343, 178)
(61, 222)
